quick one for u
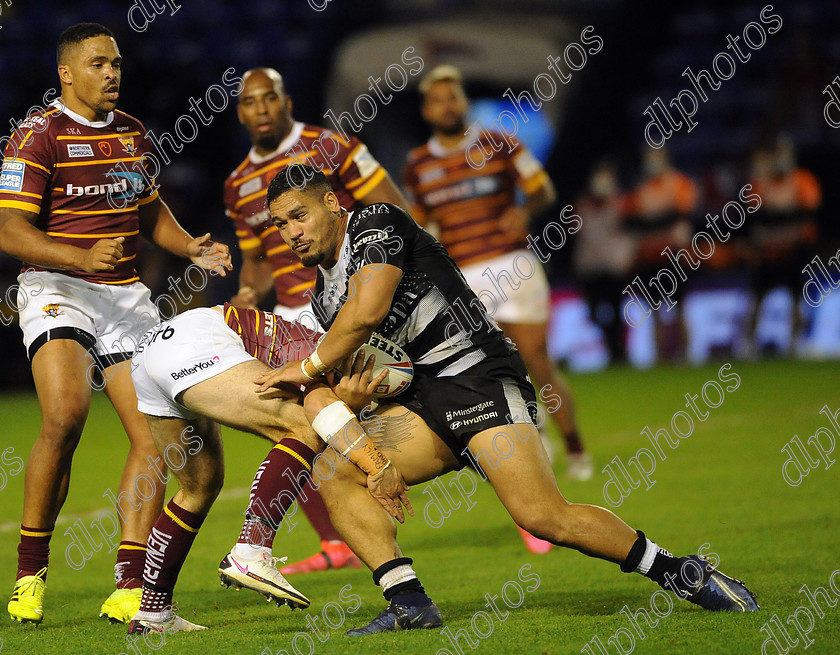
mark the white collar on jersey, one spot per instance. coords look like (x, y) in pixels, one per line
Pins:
(285, 145)
(332, 273)
(437, 149)
(81, 119)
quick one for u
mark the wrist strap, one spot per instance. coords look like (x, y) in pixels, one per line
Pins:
(303, 368)
(316, 360)
(373, 475)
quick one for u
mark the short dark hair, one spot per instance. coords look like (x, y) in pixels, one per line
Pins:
(78, 33)
(298, 177)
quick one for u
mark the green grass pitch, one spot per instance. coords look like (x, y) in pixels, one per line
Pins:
(722, 486)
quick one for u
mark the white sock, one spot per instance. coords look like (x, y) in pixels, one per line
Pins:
(651, 549)
(151, 616)
(403, 573)
(247, 551)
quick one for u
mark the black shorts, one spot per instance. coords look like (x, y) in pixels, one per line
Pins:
(492, 393)
(781, 272)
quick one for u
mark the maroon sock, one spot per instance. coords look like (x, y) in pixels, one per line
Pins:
(169, 542)
(33, 550)
(313, 506)
(573, 444)
(284, 471)
(128, 571)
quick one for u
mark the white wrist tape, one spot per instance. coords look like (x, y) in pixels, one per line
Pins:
(303, 369)
(383, 468)
(313, 357)
(332, 419)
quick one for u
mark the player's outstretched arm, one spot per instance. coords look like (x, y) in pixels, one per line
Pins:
(516, 218)
(21, 239)
(158, 224)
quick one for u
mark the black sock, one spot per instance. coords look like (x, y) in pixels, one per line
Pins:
(647, 555)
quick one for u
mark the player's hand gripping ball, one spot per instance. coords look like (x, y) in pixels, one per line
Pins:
(391, 358)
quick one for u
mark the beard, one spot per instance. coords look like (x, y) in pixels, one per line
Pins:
(268, 141)
(311, 259)
(452, 128)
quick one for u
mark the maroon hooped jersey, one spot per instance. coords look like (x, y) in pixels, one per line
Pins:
(270, 338)
(85, 181)
(466, 202)
(350, 169)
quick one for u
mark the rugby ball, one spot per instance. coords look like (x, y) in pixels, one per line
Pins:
(390, 357)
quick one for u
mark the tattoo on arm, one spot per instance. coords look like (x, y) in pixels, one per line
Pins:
(394, 431)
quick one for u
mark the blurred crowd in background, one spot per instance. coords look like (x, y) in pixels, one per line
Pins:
(763, 127)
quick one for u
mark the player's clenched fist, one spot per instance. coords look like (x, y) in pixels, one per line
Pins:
(103, 256)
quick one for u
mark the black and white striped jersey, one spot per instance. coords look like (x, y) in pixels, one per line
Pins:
(434, 316)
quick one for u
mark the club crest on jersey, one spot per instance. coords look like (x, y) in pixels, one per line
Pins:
(105, 148)
(128, 145)
(52, 310)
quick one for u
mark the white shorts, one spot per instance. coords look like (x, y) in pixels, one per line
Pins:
(107, 319)
(178, 354)
(512, 287)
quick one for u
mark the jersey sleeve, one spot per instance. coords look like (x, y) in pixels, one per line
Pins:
(410, 187)
(380, 235)
(359, 172)
(248, 240)
(27, 168)
(528, 172)
(686, 198)
(808, 192)
(150, 191)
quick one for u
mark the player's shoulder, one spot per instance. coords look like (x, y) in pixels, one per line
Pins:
(238, 171)
(38, 129)
(378, 214)
(317, 132)
(122, 120)
(804, 176)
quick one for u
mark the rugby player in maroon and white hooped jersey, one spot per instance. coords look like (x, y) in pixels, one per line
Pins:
(75, 226)
(278, 140)
(484, 230)
(195, 372)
